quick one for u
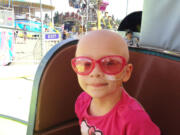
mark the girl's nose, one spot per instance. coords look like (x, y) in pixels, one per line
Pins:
(97, 72)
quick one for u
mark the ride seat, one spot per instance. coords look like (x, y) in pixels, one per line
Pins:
(55, 90)
(155, 84)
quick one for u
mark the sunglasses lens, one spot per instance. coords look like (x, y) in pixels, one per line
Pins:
(82, 65)
(112, 65)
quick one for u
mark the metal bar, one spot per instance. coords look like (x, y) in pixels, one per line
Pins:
(12, 28)
(13, 119)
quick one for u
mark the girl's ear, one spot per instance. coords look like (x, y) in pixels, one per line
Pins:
(128, 71)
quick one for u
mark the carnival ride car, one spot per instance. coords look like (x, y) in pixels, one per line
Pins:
(154, 81)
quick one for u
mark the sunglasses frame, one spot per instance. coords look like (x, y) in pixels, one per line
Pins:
(99, 62)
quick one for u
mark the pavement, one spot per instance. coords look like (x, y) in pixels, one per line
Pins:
(15, 95)
(16, 81)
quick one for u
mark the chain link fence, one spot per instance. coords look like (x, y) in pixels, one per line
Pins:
(37, 49)
(21, 40)
(16, 50)
(33, 50)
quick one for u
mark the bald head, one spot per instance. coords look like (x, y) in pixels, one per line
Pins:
(101, 43)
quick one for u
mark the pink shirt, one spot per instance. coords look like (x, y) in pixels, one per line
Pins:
(126, 118)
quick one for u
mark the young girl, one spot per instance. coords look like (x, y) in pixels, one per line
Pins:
(105, 108)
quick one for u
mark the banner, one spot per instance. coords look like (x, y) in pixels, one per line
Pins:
(6, 47)
(6, 18)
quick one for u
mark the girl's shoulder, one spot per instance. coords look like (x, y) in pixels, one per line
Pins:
(83, 98)
(82, 103)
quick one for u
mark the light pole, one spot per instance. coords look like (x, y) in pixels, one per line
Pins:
(42, 36)
(87, 14)
(52, 20)
(127, 8)
(98, 14)
(9, 3)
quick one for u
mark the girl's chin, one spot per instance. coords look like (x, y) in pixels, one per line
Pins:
(101, 92)
(97, 94)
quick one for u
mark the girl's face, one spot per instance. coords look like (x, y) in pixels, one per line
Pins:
(129, 35)
(98, 84)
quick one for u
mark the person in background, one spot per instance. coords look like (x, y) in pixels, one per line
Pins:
(93, 28)
(25, 33)
(46, 30)
(131, 41)
(15, 35)
(64, 35)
